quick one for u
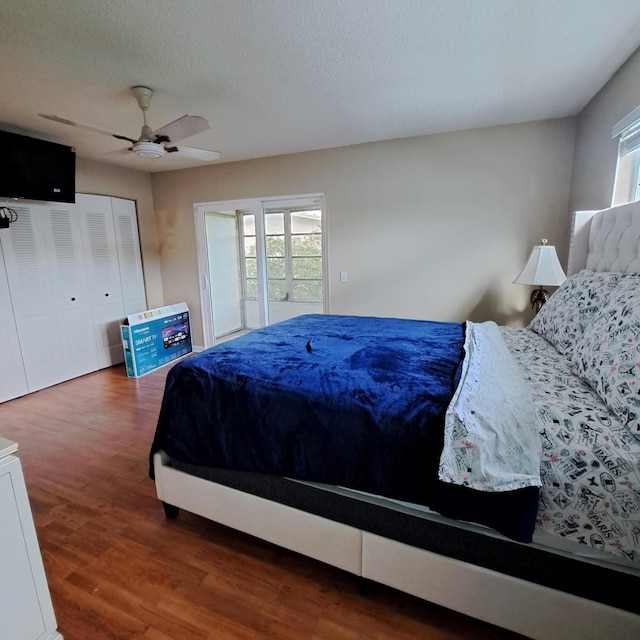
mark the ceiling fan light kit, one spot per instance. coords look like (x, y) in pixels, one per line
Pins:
(155, 144)
(148, 149)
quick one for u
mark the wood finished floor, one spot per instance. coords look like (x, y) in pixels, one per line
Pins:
(117, 569)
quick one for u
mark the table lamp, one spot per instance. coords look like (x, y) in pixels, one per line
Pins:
(542, 270)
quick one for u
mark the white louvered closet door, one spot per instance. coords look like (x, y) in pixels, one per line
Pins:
(28, 274)
(103, 271)
(13, 381)
(71, 291)
(128, 244)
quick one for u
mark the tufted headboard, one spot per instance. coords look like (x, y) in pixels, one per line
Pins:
(606, 240)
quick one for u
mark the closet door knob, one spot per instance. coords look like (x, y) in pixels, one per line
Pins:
(73, 299)
(106, 295)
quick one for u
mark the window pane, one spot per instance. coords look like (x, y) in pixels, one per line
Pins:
(276, 267)
(307, 245)
(250, 247)
(307, 291)
(277, 289)
(249, 225)
(293, 253)
(251, 267)
(274, 223)
(275, 245)
(626, 180)
(251, 292)
(307, 267)
(305, 221)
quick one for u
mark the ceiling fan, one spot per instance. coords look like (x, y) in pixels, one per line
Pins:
(154, 144)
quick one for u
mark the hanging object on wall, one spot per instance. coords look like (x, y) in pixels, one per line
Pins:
(7, 216)
(154, 144)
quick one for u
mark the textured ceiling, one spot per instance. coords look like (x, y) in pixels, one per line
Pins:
(281, 76)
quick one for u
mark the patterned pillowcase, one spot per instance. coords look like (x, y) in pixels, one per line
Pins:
(608, 355)
(568, 312)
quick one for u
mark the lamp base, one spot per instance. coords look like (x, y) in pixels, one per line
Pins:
(538, 298)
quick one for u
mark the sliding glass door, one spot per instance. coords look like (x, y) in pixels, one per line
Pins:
(260, 262)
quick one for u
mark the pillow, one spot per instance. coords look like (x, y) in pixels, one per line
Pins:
(607, 356)
(567, 313)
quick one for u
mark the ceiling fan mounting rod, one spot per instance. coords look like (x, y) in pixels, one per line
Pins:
(143, 96)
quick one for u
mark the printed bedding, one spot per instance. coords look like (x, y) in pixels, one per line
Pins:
(581, 360)
(350, 401)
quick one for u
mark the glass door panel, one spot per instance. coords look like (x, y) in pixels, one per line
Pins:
(224, 272)
(293, 241)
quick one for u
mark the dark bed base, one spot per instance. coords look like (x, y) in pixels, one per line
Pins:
(581, 577)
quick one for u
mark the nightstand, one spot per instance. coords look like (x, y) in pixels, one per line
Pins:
(26, 612)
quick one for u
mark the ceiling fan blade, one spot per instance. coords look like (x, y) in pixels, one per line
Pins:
(198, 154)
(182, 128)
(82, 125)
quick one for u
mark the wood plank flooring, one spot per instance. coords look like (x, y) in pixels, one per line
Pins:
(117, 569)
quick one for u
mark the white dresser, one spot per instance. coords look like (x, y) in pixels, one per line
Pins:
(26, 612)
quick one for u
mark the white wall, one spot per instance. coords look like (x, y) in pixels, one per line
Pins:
(435, 227)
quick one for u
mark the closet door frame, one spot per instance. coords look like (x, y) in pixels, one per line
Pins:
(70, 274)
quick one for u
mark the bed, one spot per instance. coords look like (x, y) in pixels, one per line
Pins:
(539, 534)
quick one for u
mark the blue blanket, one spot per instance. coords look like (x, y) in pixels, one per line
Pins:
(351, 401)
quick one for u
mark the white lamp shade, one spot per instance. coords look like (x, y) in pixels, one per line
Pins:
(543, 268)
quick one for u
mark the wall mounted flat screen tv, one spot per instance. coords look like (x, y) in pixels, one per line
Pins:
(33, 169)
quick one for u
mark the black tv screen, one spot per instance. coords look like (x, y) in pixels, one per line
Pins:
(33, 169)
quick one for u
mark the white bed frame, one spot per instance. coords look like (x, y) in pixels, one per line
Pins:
(609, 241)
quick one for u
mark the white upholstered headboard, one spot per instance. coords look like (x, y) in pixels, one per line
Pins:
(606, 240)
